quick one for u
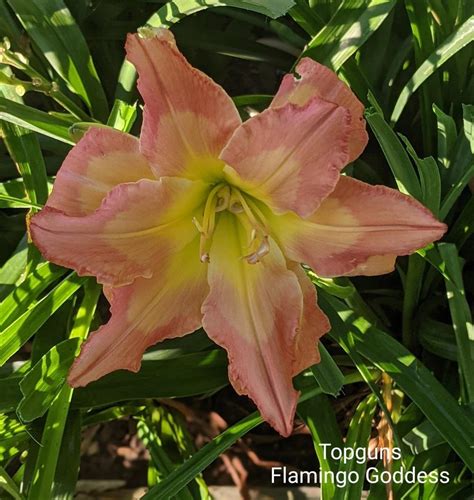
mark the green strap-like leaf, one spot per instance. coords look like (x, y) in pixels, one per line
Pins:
(461, 318)
(51, 26)
(453, 44)
(16, 334)
(327, 373)
(397, 157)
(350, 27)
(35, 120)
(438, 405)
(358, 437)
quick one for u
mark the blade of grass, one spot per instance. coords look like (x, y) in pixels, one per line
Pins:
(453, 44)
(23, 328)
(464, 174)
(53, 432)
(18, 301)
(397, 158)
(463, 228)
(461, 318)
(358, 437)
(53, 29)
(437, 404)
(67, 468)
(35, 120)
(25, 151)
(430, 178)
(13, 438)
(350, 27)
(7, 484)
(447, 134)
(327, 373)
(43, 382)
(421, 26)
(12, 202)
(320, 419)
(182, 376)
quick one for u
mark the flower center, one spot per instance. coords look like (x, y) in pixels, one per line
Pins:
(224, 197)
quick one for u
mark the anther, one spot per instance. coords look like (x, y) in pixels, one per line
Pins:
(223, 198)
(236, 208)
(262, 250)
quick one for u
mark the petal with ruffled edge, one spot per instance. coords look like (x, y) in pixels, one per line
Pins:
(188, 118)
(254, 312)
(356, 222)
(101, 160)
(314, 79)
(314, 324)
(290, 157)
(137, 225)
(165, 306)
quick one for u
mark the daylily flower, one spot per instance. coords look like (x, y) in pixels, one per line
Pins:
(204, 220)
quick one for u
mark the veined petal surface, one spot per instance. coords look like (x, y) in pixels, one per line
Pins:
(290, 157)
(356, 222)
(254, 312)
(314, 79)
(137, 226)
(147, 311)
(314, 324)
(188, 118)
(101, 160)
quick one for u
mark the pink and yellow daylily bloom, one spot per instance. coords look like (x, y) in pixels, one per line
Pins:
(205, 220)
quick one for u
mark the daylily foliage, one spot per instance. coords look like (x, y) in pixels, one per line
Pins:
(204, 220)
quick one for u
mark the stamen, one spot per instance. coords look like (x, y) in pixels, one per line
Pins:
(198, 225)
(262, 250)
(223, 197)
(236, 207)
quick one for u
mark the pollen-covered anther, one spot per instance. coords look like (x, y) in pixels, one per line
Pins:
(262, 250)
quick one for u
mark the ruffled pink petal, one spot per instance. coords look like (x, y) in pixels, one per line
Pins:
(357, 222)
(314, 324)
(137, 225)
(290, 157)
(101, 160)
(254, 312)
(188, 118)
(314, 79)
(147, 311)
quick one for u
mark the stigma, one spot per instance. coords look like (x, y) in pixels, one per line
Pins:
(225, 197)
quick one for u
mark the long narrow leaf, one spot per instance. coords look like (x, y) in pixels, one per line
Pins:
(420, 385)
(15, 335)
(461, 317)
(35, 120)
(52, 27)
(350, 27)
(453, 44)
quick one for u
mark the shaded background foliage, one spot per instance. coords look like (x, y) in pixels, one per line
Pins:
(401, 345)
